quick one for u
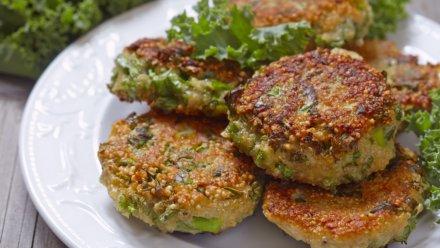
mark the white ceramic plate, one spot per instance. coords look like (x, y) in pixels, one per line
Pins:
(70, 112)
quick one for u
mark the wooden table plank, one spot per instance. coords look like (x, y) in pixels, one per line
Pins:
(44, 237)
(9, 125)
(16, 205)
(29, 223)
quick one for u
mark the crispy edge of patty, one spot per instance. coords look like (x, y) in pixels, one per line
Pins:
(143, 174)
(371, 213)
(364, 86)
(411, 81)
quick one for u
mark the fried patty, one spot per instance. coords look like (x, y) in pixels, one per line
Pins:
(334, 22)
(411, 81)
(322, 118)
(379, 210)
(177, 173)
(165, 76)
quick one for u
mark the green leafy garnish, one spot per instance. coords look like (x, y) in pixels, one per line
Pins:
(233, 133)
(125, 177)
(228, 33)
(128, 161)
(390, 134)
(128, 67)
(387, 14)
(168, 86)
(300, 200)
(260, 157)
(287, 173)
(356, 155)
(330, 183)
(207, 225)
(169, 214)
(427, 127)
(412, 222)
(181, 225)
(367, 165)
(200, 148)
(434, 203)
(219, 92)
(377, 135)
(125, 203)
(399, 113)
(306, 107)
(234, 191)
(256, 190)
(274, 91)
(33, 32)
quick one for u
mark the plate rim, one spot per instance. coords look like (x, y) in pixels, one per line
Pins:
(26, 116)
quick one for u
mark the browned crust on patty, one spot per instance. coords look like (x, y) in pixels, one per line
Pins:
(176, 55)
(353, 209)
(411, 81)
(325, 13)
(327, 83)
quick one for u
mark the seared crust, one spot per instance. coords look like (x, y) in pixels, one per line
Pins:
(325, 16)
(158, 165)
(177, 55)
(343, 95)
(411, 82)
(322, 118)
(371, 213)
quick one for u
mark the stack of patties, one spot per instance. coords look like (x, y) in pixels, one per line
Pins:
(174, 171)
(323, 123)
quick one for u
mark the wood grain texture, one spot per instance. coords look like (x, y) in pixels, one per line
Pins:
(20, 224)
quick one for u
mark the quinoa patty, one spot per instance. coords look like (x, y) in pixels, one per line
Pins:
(322, 118)
(411, 81)
(177, 173)
(379, 210)
(165, 76)
(334, 22)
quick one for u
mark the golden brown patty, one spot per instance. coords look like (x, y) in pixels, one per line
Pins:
(324, 115)
(178, 174)
(334, 22)
(377, 211)
(164, 75)
(411, 82)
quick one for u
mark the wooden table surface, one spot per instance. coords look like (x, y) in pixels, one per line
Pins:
(20, 223)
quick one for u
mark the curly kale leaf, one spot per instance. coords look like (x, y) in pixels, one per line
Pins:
(412, 222)
(33, 32)
(229, 34)
(434, 203)
(427, 127)
(387, 13)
